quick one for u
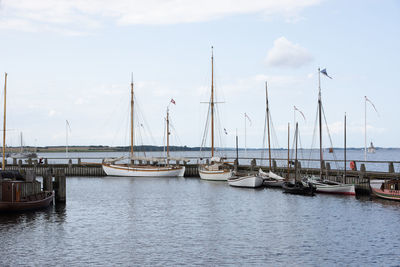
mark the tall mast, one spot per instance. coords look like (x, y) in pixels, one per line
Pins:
(345, 147)
(288, 146)
(365, 128)
(4, 124)
(66, 138)
(212, 102)
(131, 117)
(320, 123)
(168, 133)
(295, 162)
(245, 136)
(237, 149)
(20, 136)
(269, 144)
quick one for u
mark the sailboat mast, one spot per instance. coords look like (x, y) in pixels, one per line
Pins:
(320, 123)
(288, 146)
(245, 136)
(365, 128)
(212, 102)
(4, 124)
(345, 147)
(168, 136)
(66, 138)
(269, 143)
(21, 148)
(131, 154)
(295, 162)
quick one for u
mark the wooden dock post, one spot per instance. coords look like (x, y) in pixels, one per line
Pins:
(60, 185)
(253, 164)
(47, 181)
(46, 162)
(274, 166)
(29, 161)
(79, 161)
(19, 164)
(391, 167)
(14, 161)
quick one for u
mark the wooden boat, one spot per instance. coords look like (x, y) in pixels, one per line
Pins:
(250, 181)
(298, 187)
(33, 202)
(331, 187)
(111, 168)
(390, 190)
(270, 179)
(216, 170)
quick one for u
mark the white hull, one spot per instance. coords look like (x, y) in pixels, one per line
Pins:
(217, 175)
(143, 171)
(343, 189)
(246, 181)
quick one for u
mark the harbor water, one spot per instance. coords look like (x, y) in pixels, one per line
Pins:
(172, 221)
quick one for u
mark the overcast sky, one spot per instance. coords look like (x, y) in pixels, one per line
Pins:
(72, 60)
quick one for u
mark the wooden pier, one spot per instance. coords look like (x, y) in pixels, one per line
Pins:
(83, 168)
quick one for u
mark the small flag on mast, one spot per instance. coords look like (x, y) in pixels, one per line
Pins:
(247, 116)
(325, 73)
(173, 101)
(366, 99)
(225, 131)
(295, 108)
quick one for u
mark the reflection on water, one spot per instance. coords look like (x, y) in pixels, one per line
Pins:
(172, 221)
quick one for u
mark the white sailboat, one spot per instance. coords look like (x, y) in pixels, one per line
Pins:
(270, 179)
(216, 169)
(161, 168)
(370, 149)
(22, 154)
(322, 185)
(250, 181)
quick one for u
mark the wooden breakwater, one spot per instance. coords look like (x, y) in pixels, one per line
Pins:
(80, 168)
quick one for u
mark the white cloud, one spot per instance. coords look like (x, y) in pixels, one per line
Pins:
(52, 113)
(79, 16)
(286, 54)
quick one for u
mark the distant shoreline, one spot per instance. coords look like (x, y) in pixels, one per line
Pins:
(100, 148)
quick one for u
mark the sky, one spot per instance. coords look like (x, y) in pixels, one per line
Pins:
(73, 60)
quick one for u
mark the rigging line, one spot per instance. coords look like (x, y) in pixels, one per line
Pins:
(313, 138)
(330, 138)
(206, 127)
(264, 149)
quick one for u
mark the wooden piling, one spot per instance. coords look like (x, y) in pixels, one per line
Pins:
(60, 183)
(47, 181)
(391, 167)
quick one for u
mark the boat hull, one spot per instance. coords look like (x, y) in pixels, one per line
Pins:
(386, 194)
(299, 189)
(6, 206)
(143, 171)
(273, 183)
(341, 189)
(250, 181)
(215, 175)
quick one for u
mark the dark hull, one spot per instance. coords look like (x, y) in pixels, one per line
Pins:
(299, 189)
(44, 201)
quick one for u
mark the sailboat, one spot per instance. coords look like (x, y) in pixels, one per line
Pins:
(371, 148)
(298, 187)
(270, 179)
(216, 169)
(17, 194)
(23, 154)
(143, 170)
(326, 186)
(250, 181)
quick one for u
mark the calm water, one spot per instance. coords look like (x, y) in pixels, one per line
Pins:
(173, 221)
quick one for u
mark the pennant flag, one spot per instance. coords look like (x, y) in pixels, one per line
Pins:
(225, 131)
(325, 73)
(246, 116)
(69, 127)
(296, 109)
(366, 99)
(141, 124)
(173, 101)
